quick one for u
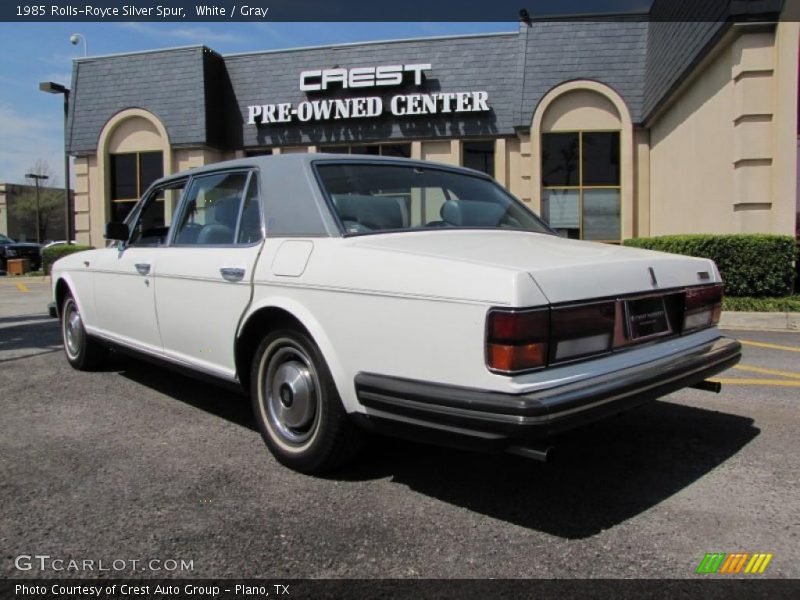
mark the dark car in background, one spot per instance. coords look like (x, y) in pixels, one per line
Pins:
(9, 250)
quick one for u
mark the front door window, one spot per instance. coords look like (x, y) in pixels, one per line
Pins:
(150, 226)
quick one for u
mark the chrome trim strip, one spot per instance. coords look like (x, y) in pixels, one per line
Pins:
(342, 290)
(160, 355)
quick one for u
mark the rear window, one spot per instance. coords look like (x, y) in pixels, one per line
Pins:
(370, 198)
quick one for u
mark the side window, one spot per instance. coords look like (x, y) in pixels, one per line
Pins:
(211, 210)
(250, 230)
(151, 225)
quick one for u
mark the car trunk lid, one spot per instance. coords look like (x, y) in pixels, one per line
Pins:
(565, 270)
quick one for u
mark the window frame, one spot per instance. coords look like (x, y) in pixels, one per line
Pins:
(253, 175)
(139, 192)
(335, 149)
(580, 187)
(466, 142)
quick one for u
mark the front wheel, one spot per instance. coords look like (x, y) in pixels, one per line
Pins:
(297, 407)
(83, 351)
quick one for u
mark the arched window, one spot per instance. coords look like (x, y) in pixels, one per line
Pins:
(581, 137)
(133, 152)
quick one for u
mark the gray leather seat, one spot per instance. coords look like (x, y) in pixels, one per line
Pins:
(471, 213)
(221, 230)
(372, 212)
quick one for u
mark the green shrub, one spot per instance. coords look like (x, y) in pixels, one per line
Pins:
(751, 264)
(749, 304)
(53, 253)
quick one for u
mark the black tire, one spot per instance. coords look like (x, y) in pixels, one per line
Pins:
(296, 405)
(83, 352)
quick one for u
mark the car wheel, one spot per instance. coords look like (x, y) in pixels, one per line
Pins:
(83, 351)
(297, 407)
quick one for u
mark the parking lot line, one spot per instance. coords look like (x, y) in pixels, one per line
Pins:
(767, 371)
(22, 287)
(774, 382)
(771, 346)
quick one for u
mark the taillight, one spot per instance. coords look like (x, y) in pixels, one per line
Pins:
(576, 332)
(517, 340)
(702, 307)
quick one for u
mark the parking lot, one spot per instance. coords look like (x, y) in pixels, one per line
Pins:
(139, 463)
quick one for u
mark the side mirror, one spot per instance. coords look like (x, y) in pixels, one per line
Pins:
(117, 231)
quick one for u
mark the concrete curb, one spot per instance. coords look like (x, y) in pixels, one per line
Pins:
(760, 321)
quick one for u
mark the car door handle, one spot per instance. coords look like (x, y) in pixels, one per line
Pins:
(231, 274)
(143, 268)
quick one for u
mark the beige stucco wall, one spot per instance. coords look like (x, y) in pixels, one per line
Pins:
(442, 151)
(722, 155)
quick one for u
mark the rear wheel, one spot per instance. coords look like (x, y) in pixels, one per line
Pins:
(297, 407)
(83, 351)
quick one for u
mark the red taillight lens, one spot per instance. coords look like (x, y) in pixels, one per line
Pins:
(702, 307)
(581, 331)
(517, 341)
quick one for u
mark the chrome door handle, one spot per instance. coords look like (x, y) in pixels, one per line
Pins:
(231, 274)
(143, 268)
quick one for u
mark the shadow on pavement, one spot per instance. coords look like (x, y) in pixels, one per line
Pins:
(32, 332)
(601, 476)
(210, 397)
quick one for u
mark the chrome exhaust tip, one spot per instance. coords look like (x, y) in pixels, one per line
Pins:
(708, 386)
(542, 454)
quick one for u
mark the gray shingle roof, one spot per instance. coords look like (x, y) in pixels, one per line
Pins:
(611, 52)
(168, 83)
(202, 98)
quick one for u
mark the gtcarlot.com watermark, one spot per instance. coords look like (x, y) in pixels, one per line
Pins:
(46, 563)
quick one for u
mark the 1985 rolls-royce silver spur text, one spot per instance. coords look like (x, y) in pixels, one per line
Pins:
(347, 293)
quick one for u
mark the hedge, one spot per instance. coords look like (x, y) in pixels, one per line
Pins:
(747, 304)
(751, 264)
(53, 253)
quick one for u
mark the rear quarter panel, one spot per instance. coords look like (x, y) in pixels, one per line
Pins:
(393, 314)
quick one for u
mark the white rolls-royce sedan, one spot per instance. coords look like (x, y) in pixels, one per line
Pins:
(350, 293)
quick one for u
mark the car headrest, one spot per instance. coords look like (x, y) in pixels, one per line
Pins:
(471, 213)
(215, 233)
(376, 212)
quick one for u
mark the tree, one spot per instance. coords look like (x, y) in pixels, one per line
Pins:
(51, 206)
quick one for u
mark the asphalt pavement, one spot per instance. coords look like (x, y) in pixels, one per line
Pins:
(137, 463)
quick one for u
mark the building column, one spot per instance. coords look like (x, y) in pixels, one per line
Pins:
(641, 196)
(500, 171)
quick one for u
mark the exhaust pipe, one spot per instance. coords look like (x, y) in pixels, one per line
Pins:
(541, 454)
(708, 386)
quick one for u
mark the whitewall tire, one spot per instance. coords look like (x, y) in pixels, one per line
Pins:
(297, 407)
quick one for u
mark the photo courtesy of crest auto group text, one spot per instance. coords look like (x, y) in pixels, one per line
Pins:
(347, 300)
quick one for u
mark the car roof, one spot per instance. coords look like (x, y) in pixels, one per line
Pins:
(290, 176)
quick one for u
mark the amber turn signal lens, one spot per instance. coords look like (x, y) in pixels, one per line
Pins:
(508, 358)
(516, 340)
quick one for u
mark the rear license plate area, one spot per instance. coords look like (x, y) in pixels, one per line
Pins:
(646, 318)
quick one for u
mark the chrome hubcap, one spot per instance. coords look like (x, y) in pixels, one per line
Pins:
(73, 329)
(290, 388)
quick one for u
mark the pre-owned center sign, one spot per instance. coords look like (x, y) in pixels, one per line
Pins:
(360, 107)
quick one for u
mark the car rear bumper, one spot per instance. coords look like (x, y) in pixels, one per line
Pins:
(494, 415)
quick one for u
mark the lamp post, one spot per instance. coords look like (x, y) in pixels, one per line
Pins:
(56, 88)
(37, 178)
(75, 37)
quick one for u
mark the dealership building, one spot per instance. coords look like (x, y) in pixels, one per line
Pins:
(609, 127)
